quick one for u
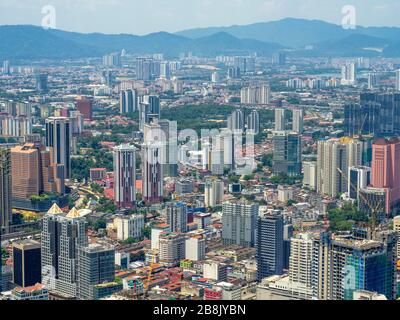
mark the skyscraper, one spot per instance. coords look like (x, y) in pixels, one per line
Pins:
(236, 121)
(280, 120)
(300, 261)
(153, 158)
(359, 178)
(26, 263)
(128, 101)
(253, 122)
(269, 248)
(349, 74)
(144, 69)
(298, 118)
(58, 140)
(335, 156)
(85, 106)
(62, 236)
(41, 82)
(239, 222)
(125, 176)
(5, 189)
(287, 153)
(149, 109)
(177, 217)
(95, 267)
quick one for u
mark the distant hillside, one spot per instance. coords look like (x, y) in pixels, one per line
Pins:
(295, 33)
(31, 42)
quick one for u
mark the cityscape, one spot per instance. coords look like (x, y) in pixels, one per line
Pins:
(257, 162)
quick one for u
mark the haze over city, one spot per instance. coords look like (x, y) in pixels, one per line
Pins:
(143, 17)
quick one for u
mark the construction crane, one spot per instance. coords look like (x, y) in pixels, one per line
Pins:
(373, 209)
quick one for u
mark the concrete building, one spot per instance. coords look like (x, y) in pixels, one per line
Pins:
(195, 248)
(172, 249)
(280, 119)
(129, 227)
(239, 222)
(214, 270)
(153, 159)
(310, 175)
(177, 217)
(298, 119)
(213, 193)
(287, 153)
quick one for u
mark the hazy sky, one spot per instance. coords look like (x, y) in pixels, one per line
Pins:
(145, 16)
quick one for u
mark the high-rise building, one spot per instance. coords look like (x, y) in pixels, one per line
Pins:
(149, 109)
(129, 227)
(298, 118)
(280, 120)
(377, 114)
(41, 82)
(165, 72)
(172, 249)
(85, 106)
(62, 236)
(195, 247)
(112, 60)
(128, 101)
(256, 94)
(5, 190)
(125, 176)
(397, 84)
(58, 140)
(153, 159)
(144, 69)
(95, 267)
(373, 80)
(359, 178)
(253, 122)
(236, 121)
(6, 67)
(26, 263)
(269, 249)
(396, 228)
(213, 193)
(177, 217)
(310, 175)
(239, 221)
(335, 156)
(349, 74)
(300, 261)
(287, 153)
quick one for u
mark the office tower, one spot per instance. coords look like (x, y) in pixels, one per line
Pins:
(335, 156)
(280, 120)
(253, 122)
(255, 94)
(165, 72)
(279, 58)
(287, 153)
(144, 69)
(213, 193)
(149, 109)
(396, 228)
(236, 121)
(385, 176)
(41, 82)
(165, 133)
(195, 247)
(172, 249)
(95, 267)
(58, 140)
(359, 265)
(298, 118)
(125, 176)
(77, 123)
(359, 178)
(129, 227)
(152, 172)
(85, 107)
(32, 173)
(300, 261)
(26, 263)
(112, 60)
(62, 236)
(310, 175)
(177, 217)
(269, 248)
(397, 85)
(287, 236)
(5, 190)
(239, 222)
(373, 80)
(128, 101)
(6, 67)
(349, 75)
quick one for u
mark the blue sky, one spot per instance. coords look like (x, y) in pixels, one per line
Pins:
(146, 16)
